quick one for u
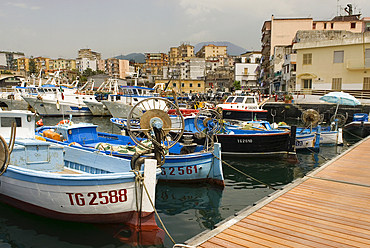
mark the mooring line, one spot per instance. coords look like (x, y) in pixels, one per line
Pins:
(269, 186)
(155, 210)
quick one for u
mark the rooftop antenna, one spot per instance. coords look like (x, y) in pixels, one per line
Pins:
(337, 7)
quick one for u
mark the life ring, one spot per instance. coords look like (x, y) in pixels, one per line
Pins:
(62, 122)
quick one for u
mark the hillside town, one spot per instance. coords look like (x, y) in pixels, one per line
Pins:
(298, 55)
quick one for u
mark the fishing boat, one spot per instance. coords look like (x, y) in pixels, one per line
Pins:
(243, 108)
(184, 162)
(71, 184)
(12, 100)
(102, 93)
(359, 126)
(56, 98)
(120, 104)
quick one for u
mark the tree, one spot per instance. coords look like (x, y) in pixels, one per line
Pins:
(32, 66)
(237, 85)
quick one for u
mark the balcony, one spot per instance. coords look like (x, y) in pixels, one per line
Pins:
(358, 64)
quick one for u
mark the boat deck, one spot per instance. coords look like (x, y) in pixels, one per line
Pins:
(67, 171)
(330, 207)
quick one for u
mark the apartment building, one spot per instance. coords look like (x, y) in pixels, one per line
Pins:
(87, 53)
(182, 85)
(281, 31)
(8, 60)
(180, 54)
(211, 50)
(332, 60)
(246, 71)
(154, 63)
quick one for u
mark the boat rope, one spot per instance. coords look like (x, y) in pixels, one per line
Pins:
(245, 174)
(318, 154)
(354, 135)
(7, 148)
(151, 202)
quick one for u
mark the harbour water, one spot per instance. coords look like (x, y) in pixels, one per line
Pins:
(185, 210)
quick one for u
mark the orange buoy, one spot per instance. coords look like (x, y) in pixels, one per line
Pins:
(51, 135)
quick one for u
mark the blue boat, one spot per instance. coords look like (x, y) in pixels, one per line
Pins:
(182, 163)
(359, 127)
(70, 184)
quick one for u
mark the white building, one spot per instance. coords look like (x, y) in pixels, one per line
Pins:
(245, 72)
(84, 63)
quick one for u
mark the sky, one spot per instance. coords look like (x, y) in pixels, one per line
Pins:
(58, 29)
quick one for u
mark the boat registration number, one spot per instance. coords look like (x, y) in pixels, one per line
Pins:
(243, 141)
(96, 198)
(181, 170)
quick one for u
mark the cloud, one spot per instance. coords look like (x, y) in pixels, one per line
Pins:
(23, 6)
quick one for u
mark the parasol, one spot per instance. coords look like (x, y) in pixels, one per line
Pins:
(340, 98)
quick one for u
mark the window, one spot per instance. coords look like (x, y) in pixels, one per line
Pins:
(307, 58)
(366, 85)
(190, 85)
(307, 83)
(332, 25)
(7, 121)
(314, 25)
(245, 71)
(325, 25)
(174, 84)
(338, 56)
(182, 85)
(353, 25)
(199, 85)
(336, 84)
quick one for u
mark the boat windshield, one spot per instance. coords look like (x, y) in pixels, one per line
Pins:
(250, 100)
(239, 99)
(230, 99)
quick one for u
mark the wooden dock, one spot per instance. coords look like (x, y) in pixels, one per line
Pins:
(330, 207)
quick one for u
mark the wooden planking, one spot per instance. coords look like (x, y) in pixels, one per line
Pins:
(329, 208)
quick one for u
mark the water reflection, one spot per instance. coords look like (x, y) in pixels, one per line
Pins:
(173, 199)
(21, 229)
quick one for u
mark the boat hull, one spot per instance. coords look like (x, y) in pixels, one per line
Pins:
(358, 129)
(244, 115)
(254, 144)
(13, 104)
(118, 109)
(52, 108)
(97, 108)
(71, 201)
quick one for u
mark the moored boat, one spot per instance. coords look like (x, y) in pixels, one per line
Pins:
(71, 184)
(243, 108)
(183, 162)
(359, 127)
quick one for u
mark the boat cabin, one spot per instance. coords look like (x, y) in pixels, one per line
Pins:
(24, 120)
(240, 102)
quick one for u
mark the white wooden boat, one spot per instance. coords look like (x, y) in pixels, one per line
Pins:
(71, 184)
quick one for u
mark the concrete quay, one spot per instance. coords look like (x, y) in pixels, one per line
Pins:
(330, 207)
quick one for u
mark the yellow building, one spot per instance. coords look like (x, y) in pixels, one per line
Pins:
(63, 64)
(182, 86)
(23, 64)
(211, 50)
(180, 54)
(332, 60)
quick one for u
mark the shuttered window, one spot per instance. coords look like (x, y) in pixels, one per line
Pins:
(338, 56)
(336, 84)
(307, 58)
(366, 85)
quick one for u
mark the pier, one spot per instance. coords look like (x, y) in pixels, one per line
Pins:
(329, 207)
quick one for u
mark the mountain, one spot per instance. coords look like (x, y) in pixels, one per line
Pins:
(137, 57)
(232, 49)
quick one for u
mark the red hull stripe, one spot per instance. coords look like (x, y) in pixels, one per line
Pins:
(122, 217)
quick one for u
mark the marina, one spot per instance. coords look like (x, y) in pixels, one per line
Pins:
(185, 210)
